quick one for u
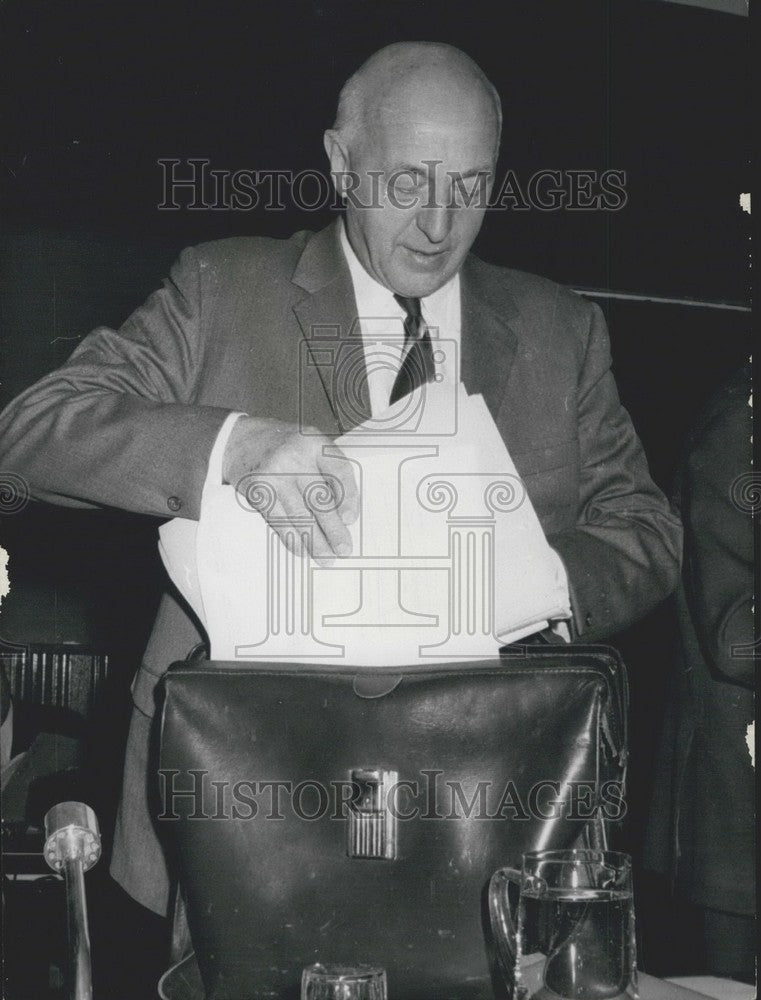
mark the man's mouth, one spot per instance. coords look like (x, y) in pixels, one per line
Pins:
(427, 258)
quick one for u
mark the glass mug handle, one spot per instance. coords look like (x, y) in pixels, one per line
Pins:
(502, 918)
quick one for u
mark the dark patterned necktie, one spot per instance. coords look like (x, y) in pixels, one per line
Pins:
(418, 366)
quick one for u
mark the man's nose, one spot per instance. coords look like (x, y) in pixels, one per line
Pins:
(434, 222)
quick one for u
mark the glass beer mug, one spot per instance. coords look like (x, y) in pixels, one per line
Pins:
(340, 982)
(572, 932)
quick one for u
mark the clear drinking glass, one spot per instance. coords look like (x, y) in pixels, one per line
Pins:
(571, 934)
(339, 982)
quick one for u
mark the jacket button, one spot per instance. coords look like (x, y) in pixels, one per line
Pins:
(174, 503)
(588, 618)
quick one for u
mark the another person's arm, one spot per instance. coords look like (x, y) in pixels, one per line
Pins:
(719, 534)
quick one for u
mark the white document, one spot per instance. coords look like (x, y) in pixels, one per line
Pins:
(448, 559)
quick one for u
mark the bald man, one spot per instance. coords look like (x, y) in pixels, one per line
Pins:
(207, 375)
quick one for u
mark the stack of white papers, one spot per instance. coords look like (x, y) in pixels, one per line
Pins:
(448, 558)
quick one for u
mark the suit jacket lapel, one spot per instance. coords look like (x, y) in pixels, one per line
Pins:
(488, 343)
(328, 312)
(334, 353)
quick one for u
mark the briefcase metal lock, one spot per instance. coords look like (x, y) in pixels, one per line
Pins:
(372, 814)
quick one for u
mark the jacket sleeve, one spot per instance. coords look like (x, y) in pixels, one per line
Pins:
(624, 553)
(117, 425)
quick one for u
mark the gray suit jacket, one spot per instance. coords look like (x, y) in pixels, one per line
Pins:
(129, 421)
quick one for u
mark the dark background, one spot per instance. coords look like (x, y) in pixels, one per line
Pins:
(97, 93)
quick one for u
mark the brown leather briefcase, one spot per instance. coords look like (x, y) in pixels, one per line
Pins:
(325, 814)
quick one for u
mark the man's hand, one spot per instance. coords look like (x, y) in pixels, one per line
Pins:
(309, 487)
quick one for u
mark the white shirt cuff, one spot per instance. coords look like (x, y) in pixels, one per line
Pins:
(217, 456)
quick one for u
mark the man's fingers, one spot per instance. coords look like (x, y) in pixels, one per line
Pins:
(334, 530)
(316, 496)
(283, 511)
(303, 522)
(281, 521)
(289, 536)
(333, 463)
(319, 499)
(296, 539)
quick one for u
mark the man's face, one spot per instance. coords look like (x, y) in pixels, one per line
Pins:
(409, 220)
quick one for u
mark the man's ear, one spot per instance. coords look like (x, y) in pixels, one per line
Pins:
(338, 155)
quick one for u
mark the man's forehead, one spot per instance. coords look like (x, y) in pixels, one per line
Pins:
(413, 139)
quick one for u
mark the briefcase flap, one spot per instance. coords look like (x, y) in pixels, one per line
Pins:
(326, 814)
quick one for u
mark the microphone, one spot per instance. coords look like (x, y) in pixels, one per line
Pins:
(72, 846)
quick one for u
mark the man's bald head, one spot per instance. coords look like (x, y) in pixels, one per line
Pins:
(418, 126)
(425, 80)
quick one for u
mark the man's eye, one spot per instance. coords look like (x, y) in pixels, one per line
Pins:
(472, 194)
(406, 184)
